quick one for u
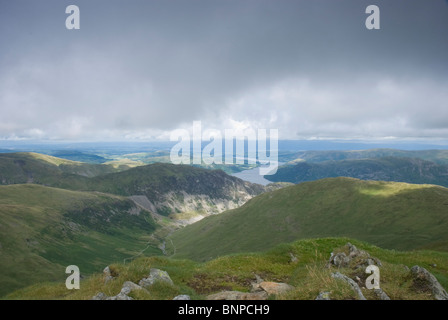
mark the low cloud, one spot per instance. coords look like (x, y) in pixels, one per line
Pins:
(141, 70)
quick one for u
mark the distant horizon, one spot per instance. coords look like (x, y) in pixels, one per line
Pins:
(284, 145)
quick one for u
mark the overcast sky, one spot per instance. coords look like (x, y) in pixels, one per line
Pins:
(139, 69)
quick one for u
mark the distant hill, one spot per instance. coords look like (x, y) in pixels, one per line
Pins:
(437, 156)
(29, 167)
(43, 230)
(392, 215)
(385, 169)
(79, 156)
(162, 188)
(170, 188)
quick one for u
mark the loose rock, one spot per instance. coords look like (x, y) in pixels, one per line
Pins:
(323, 296)
(237, 295)
(129, 286)
(182, 297)
(381, 294)
(154, 276)
(275, 288)
(120, 296)
(108, 275)
(293, 258)
(99, 296)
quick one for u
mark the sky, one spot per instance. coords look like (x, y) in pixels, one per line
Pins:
(137, 70)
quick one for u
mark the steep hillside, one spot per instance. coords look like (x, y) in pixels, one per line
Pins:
(389, 214)
(43, 230)
(168, 188)
(385, 169)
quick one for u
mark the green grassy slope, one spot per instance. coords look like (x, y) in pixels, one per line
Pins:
(43, 230)
(28, 167)
(236, 272)
(392, 215)
(385, 169)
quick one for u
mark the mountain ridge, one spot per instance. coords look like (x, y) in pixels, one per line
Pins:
(382, 169)
(389, 214)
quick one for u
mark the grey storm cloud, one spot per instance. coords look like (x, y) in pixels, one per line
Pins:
(138, 69)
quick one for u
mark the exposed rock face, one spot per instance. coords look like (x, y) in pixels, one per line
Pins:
(154, 276)
(165, 188)
(425, 281)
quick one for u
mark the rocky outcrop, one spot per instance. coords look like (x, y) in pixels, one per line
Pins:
(424, 281)
(126, 289)
(353, 258)
(129, 286)
(350, 257)
(355, 261)
(154, 276)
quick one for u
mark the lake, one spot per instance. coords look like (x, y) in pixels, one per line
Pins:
(253, 175)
